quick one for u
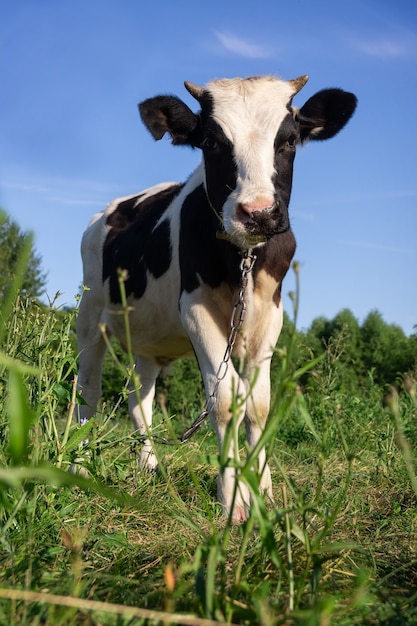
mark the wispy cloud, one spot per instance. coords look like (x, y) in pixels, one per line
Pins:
(302, 216)
(242, 47)
(372, 245)
(76, 201)
(388, 47)
(58, 190)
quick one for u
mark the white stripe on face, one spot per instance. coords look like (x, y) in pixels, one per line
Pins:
(250, 112)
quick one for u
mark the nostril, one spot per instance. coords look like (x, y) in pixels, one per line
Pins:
(246, 208)
(245, 211)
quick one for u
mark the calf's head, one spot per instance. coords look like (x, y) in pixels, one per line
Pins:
(248, 131)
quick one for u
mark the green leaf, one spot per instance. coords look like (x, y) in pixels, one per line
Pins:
(212, 459)
(20, 416)
(337, 547)
(79, 436)
(298, 532)
(212, 563)
(307, 367)
(307, 417)
(16, 365)
(64, 391)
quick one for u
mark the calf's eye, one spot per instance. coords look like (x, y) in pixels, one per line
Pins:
(209, 143)
(291, 142)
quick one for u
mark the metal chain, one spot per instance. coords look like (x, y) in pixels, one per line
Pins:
(236, 321)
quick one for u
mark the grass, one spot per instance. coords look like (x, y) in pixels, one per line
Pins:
(121, 547)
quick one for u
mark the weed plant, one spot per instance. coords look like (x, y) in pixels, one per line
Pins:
(337, 546)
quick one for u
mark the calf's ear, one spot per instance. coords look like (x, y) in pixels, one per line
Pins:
(168, 114)
(325, 114)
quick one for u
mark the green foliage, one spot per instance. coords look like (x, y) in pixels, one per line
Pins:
(375, 346)
(386, 350)
(18, 258)
(181, 390)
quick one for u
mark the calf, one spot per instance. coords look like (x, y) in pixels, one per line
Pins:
(180, 246)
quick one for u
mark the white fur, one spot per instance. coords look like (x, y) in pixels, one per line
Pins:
(250, 113)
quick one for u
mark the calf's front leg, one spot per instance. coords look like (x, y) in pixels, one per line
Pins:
(209, 342)
(258, 401)
(257, 409)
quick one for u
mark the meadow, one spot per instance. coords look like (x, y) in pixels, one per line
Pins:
(121, 547)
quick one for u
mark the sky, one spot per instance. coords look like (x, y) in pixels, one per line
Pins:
(71, 140)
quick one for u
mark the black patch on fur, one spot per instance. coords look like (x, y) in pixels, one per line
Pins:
(329, 110)
(219, 163)
(285, 144)
(168, 114)
(135, 245)
(202, 256)
(275, 258)
(205, 258)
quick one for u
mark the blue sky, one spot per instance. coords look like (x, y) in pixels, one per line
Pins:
(72, 73)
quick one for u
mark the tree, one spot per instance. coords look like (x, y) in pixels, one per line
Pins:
(385, 349)
(13, 244)
(355, 350)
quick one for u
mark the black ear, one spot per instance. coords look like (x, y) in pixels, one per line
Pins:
(168, 114)
(325, 113)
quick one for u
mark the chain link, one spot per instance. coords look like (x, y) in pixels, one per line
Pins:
(236, 321)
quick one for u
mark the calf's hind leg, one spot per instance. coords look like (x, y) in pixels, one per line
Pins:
(140, 407)
(92, 349)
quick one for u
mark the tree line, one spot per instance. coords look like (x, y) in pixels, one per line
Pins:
(373, 348)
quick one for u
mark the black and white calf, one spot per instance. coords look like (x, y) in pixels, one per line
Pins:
(182, 278)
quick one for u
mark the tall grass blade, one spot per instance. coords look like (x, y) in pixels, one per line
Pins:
(45, 474)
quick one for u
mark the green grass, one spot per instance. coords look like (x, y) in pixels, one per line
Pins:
(338, 546)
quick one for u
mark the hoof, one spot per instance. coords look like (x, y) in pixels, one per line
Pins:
(265, 486)
(239, 515)
(148, 461)
(79, 470)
